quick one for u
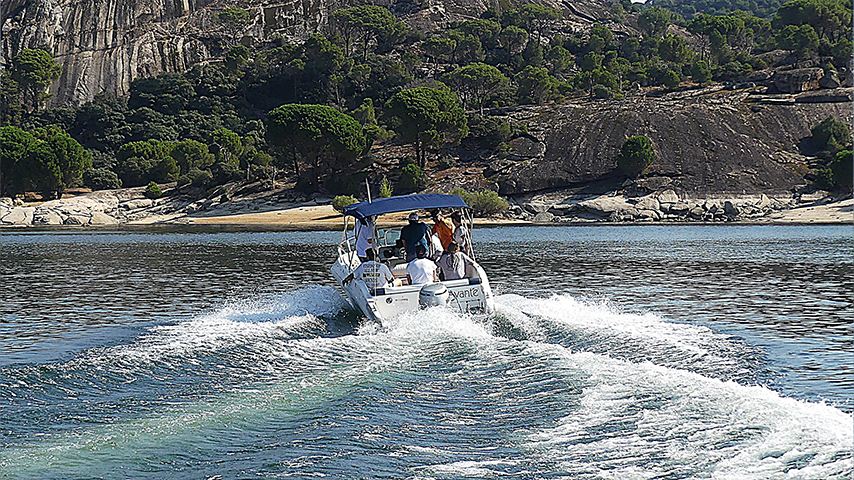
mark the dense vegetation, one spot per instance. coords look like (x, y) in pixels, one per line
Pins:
(310, 111)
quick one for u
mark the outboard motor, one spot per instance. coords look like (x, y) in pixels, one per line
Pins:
(432, 295)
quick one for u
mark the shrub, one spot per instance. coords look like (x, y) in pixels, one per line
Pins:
(196, 177)
(490, 131)
(101, 179)
(636, 155)
(842, 168)
(341, 201)
(153, 191)
(483, 203)
(831, 135)
(412, 178)
(385, 188)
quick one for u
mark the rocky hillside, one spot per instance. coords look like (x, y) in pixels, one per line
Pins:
(103, 45)
(706, 142)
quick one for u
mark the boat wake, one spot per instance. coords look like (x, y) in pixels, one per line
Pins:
(292, 385)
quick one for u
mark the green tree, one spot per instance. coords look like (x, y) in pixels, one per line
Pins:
(654, 21)
(842, 168)
(324, 138)
(537, 17)
(636, 155)
(674, 49)
(512, 39)
(831, 135)
(475, 83)
(535, 85)
(33, 70)
(800, 39)
(234, 19)
(15, 148)
(168, 93)
(190, 154)
(70, 157)
(830, 19)
(367, 24)
(138, 163)
(701, 72)
(412, 178)
(427, 116)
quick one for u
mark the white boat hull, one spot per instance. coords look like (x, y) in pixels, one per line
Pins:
(471, 295)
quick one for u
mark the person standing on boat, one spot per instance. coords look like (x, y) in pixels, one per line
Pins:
(461, 232)
(422, 270)
(364, 237)
(374, 274)
(443, 228)
(414, 234)
(454, 262)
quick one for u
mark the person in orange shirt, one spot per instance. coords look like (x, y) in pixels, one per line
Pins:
(443, 228)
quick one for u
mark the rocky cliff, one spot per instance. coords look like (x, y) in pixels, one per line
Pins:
(103, 45)
(714, 142)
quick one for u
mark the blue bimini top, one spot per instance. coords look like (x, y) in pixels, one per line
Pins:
(403, 203)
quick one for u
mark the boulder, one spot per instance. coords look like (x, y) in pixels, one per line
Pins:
(523, 148)
(137, 204)
(697, 212)
(838, 95)
(535, 207)
(678, 208)
(648, 215)
(798, 80)
(101, 218)
(731, 209)
(763, 202)
(668, 196)
(76, 220)
(648, 202)
(604, 206)
(19, 216)
(6, 201)
(543, 217)
(829, 81)
(44, 216)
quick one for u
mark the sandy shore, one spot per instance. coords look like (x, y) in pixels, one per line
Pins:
(312, 217)
(325, 217)
(111, 209)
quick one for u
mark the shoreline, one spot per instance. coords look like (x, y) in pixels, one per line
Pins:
(129, 210)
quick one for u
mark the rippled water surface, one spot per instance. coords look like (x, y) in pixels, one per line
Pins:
(616, 353)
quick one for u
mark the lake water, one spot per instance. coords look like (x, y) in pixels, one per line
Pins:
(616, 353)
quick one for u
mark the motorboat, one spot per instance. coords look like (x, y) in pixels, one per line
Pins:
(469, 295)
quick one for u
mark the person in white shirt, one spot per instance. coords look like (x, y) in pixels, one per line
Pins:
(436, 247)
(422, 270)
(364, 237)
(453, 263)
(374, 274)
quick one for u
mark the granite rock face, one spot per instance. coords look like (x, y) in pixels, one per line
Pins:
(703, 146)
(103, 45)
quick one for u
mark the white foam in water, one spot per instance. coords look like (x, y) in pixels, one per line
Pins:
(643, 420)
(233, 324)
(602, 318)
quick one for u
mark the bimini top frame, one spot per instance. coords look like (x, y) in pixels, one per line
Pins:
(404, 203)
(419, 201)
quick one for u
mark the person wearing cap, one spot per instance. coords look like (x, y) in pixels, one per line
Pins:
(422, 270)
(442, 228)
(414, 234)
